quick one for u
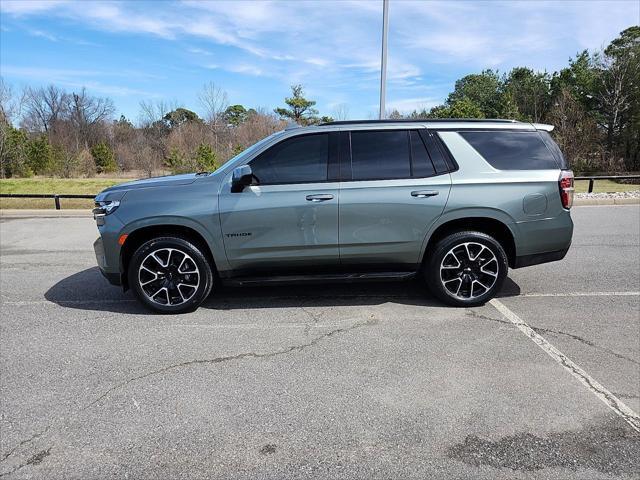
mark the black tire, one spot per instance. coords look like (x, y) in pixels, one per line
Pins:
(470, 278)
(165, 248)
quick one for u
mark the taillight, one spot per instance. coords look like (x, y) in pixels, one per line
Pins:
(566, 188)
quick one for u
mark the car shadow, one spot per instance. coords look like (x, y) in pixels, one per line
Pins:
(89, 290)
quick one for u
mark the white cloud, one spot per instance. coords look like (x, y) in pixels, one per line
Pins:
(43, 34)
(199, 51)
(245, 69)
(333, 47)
(24, 7)
(78, 79)
(407, 105)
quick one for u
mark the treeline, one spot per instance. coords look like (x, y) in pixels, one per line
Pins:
(594, 104)
(49, 131)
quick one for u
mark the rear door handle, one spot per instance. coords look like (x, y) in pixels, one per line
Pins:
(424, 193)
(320, 197)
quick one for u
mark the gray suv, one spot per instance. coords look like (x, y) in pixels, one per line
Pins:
(457, 202)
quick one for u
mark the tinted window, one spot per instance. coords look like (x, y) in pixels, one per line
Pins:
(553, 146)
(512, 150)
(296, 160)
(421, 163)
(436, 151)
(380, 155)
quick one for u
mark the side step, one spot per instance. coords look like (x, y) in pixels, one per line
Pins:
(319, 278)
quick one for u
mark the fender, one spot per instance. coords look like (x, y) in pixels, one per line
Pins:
(470, 212)
(214, 243)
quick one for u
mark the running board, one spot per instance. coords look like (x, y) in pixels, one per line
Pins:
(320, 278)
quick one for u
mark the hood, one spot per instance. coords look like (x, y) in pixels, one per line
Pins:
(169, 180)
(118, 191)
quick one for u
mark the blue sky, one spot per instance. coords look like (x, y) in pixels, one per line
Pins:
(139, 50)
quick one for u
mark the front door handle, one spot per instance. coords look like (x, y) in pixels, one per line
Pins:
(320, 197)
(424, 193)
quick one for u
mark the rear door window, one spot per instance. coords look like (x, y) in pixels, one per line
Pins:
(380, 155)
(509, 150)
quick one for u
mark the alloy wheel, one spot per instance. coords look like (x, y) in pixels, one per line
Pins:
(469, 270)
(169, 276)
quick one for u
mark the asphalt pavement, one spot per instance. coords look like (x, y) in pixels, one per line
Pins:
(374, 380)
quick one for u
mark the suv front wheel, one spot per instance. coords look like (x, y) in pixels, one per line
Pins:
(466, 269)
(170, 275)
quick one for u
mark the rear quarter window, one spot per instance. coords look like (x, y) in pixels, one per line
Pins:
(555, 150)
(508, 150)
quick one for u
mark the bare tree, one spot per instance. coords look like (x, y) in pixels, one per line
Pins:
(341, 112)
(10, 106)
(576, 133)
(44, 107)
(151, 145)
(151, 112)
(10, 103)
(613, 96)
(214, 100)
(85, 112)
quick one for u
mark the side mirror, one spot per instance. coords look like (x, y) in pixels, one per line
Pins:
(240, 178)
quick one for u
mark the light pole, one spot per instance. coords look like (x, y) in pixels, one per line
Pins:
(383, 63)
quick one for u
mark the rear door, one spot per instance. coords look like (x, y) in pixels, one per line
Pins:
(392, 191)
(289, 217)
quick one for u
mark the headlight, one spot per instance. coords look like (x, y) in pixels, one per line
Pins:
(105, 208)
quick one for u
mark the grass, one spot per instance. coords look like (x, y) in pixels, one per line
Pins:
(600, 186)
(92, 186)
(89, 186)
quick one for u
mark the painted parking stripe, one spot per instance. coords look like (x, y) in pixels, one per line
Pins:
(581, 294)
(608, 398)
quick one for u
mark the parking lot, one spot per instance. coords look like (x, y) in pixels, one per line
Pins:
(370, 380)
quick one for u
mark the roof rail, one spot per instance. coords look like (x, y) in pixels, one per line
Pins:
(420, 120)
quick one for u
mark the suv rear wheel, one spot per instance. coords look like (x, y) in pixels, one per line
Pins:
(466, 269)
(170, 275)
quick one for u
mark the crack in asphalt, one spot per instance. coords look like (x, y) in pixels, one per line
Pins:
(240, 356)
(541, 330)
(294, 348)
(586, 342)
(33, 460)
(23, 442)
(315, 318)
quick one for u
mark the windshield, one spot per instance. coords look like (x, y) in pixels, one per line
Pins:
(253, 147)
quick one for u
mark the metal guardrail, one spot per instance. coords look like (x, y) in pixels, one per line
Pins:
(56, 196)
(592, 179)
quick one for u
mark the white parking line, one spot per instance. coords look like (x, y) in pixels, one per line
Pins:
(608, 398)
(582, 294)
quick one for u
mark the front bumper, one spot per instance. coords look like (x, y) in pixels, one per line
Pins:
(113, 277)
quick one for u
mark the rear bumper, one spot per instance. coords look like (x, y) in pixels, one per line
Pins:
(538, 258)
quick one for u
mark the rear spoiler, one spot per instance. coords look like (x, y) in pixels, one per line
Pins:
(543, 126)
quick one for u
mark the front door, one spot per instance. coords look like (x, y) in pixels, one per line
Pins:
(289, 217)
(392, 195)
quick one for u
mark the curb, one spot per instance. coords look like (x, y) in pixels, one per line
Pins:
(578, 202)
(45, 213)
